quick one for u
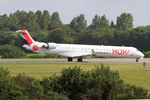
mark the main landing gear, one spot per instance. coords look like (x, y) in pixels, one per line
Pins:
(80, 59)
(71, 59)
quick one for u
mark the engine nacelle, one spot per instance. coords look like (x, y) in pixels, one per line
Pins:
(49, 46)
(52, 45)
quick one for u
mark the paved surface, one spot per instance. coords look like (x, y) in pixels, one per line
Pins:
(85, 60)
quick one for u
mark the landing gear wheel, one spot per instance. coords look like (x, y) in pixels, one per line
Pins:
(137, 60)
(70, 59)
(80, 59)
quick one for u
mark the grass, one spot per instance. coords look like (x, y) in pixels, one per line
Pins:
(131, 73)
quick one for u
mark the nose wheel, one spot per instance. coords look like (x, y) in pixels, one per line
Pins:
(137, 60)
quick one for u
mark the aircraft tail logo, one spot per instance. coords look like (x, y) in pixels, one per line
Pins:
(25, 35)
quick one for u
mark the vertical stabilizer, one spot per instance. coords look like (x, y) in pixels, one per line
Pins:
(25, 34)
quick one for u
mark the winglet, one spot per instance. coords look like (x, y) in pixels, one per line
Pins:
(93, 52)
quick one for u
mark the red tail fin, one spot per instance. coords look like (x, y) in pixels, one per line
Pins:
(25, 34)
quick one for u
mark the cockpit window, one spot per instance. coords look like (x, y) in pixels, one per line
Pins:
(137, 50)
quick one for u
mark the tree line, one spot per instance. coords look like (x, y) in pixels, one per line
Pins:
(73, 83)
(47, 27)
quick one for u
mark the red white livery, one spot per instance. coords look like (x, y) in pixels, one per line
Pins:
(79, 51)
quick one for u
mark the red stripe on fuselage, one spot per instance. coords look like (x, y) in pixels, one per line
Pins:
(26, 36)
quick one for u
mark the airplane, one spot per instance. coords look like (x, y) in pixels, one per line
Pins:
(79, 51)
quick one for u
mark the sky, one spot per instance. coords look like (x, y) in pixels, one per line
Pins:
(68, 9)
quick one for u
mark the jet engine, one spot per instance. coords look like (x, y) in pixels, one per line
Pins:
(49, 46)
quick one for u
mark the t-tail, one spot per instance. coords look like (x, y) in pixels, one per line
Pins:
(30, 44)
(25, 35)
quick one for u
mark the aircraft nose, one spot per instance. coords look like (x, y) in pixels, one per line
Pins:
(141, 55)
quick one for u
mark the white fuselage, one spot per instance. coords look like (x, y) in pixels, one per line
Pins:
(76, 50)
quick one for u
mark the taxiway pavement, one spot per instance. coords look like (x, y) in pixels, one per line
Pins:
(85, 60)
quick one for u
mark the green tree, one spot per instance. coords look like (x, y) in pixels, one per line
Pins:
(9, 51)
(40, 35)
(61, 35)
(7, 38)
(99, 22)
(38, 16)
(31, 87)
(45, 20)
(51, 95)
(98, 84)
(41, 25)
(5, 23)
(85, 38)
(133, 92)
(96, 22)
(79, 24)
(77, 84)
(22, 19)
(55, 21)
(104, 22)
(120, 37)
(32, 22)
(140, 37)
(125, 21)
(14, 22)
(9, 90)
(112, 25)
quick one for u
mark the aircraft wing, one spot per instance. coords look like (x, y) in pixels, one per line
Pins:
(76, 54)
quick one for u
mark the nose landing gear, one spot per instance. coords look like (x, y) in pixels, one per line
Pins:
(137, 60)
